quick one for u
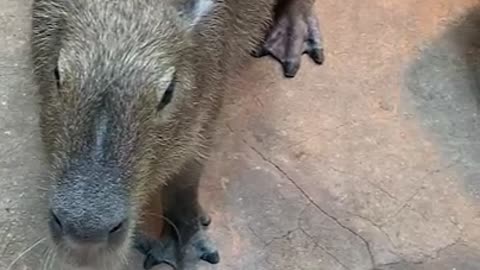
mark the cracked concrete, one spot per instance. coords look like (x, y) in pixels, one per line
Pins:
(369, 162)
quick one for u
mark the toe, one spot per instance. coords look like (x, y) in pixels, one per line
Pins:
(317, 55)
(150, 262)
(291, 67)
(211, 257)
(259, 52)
(206, 250)
(205, 220)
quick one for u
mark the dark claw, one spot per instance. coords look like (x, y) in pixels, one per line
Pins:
(160, 256)
(151, 261)
(317, 55)
(213, 257)
(290, 68)
(170, 251)
(157, 251)
(207, 251)
(205, 220)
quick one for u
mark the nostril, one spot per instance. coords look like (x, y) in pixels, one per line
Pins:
(56, 220)
(55, 225)
(117, 227)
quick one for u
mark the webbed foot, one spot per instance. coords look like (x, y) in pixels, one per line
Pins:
(295, 32)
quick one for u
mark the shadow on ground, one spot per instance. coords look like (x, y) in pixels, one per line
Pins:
(444, 89)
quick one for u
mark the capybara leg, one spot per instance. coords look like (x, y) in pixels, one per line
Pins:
(185, 235)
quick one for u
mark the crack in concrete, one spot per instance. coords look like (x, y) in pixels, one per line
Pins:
(342, 171)
(375, 185)
(424, 261)
(403, 206)
(267, 243)
(289, 232)
(255, 233)
(315, 204)
(442, 249)
(283, 236)
(378, 226)
(381, 266)
(339, 223)
(301, 229)
(316, 243)
(324, 249)
(417, 191)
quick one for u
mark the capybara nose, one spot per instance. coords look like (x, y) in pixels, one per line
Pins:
(87, 229)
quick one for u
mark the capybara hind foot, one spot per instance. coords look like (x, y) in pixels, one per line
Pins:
(294, 32)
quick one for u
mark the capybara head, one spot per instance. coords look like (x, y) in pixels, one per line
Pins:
(120, 112)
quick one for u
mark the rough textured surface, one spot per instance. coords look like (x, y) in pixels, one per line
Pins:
(368, 162)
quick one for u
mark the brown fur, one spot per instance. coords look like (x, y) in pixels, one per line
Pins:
(111, 56)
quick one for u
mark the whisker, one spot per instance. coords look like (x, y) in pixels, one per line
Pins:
(107, 261)
(46, 265)
(175, 228)
(45, 260)
(51, 262)
(54, 260)
(42, 188)
(124, 257)
(25, 252)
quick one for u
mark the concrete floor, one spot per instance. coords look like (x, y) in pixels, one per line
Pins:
(371, 161)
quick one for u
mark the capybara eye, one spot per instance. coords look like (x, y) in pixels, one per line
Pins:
(168, 95)
(117, 228)
(57, 76)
